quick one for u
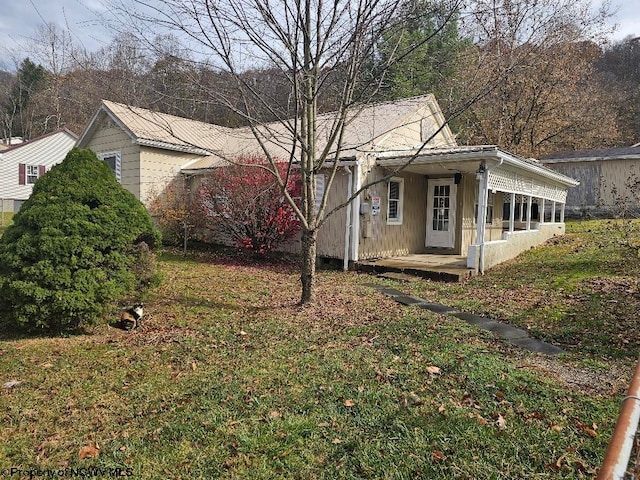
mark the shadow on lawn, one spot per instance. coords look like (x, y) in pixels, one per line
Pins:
(9, 334)
(220, 255)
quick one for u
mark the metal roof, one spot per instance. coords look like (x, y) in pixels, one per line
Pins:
(593, 155)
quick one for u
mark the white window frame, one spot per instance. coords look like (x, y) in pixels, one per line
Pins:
(490, 210)
(397, 220)
(118, 163)
(29, 176)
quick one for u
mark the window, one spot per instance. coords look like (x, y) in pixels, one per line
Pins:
(489, 209)
(28, 174)
(113, 160)
(32, 174)
(395, 201)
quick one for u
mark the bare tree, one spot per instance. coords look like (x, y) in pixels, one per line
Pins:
(320, 49)
(540, 55)
(53, 48)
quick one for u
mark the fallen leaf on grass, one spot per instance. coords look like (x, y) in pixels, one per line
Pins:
(501, 422)
(433, 370)
(89, 451)
(194, 365)
(349, 403)
(336, 441)
(591, 432)
(481, 420)
(273, 414)
(412, 399)
(437, 456)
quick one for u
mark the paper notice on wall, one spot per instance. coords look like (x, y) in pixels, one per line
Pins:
(375, 205)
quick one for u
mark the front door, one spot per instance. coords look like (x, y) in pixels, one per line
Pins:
(441, 212)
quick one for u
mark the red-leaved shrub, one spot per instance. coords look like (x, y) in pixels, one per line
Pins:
(245, 203)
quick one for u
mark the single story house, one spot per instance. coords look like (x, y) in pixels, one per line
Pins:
(609, 180)
(436, 197)
(23, 163)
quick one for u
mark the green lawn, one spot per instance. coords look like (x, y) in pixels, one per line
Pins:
(4, 222)
(581, 291)
(229, 378)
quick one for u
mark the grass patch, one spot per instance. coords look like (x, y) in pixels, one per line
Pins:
(229, 378)
(5, 220)
(580, 291)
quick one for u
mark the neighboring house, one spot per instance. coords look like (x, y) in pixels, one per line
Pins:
(449, 200)
(609, 180)
(22, 164)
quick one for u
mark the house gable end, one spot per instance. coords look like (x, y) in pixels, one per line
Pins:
(416, 127)
(101, 119)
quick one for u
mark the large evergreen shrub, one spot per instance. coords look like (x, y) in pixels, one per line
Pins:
(73, 248)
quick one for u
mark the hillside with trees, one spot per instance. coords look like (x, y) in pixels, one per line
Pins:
(513, 73)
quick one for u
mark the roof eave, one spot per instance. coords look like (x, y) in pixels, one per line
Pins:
(591, 159)
(145, 142)
(540, 170)
(482, 152)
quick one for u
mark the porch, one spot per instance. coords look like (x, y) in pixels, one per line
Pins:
(445, 268)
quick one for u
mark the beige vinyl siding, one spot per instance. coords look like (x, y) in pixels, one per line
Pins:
(392, 240)
(331, 234)
(414, 130)
(615, 175)
(158, 168)
(110, 138)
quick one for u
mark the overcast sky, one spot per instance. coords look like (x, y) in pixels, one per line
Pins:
(19, 19)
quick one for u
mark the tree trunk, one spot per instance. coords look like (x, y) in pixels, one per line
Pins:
(308, 267)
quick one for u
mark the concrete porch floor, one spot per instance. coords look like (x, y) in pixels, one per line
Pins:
(446, 268)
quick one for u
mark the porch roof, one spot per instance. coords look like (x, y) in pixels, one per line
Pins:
(467, 159)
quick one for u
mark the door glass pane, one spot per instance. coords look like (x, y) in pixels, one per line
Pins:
(441, 206)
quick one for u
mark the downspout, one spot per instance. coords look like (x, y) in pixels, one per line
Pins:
(481, 219)
(187, 194)
(355, 214)
(347, 224)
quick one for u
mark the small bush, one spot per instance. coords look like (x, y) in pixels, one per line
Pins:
(173, 209)
(71, 250)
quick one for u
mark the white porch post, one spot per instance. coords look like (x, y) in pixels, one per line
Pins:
(553, 212)
(512, 213)
(541, 211)
(562, 205)
(521, 212)
(529, 201)
(481, 220)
